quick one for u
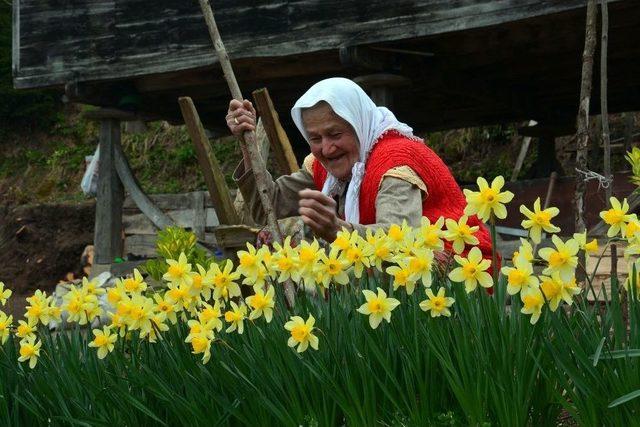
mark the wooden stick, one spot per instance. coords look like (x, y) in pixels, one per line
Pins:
(604, 114)
(213, 176)
(582, 136)
(248, 141)
(278, 139)
(522, 155)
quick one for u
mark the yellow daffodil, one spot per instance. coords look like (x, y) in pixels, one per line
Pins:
(80, 306)
(332, 269)
(438, 305)
(236, 317)
(525, 250)
(116, 293)
(489, 200)
(164, 305)
(420, 264)
(201, 344)
(210, 315)
(179, 294)
(430, 235)
(38, 308)
(581, 238)
(30, 351)
(400, 236)
(104, 340)
(4, 294)
(262, 303)
(403, 276)
(141, 312)
(562, 259)
(26, 329)
(632, 230)
(616, 217)
(118, 323)
(224, 283)
(520, 277)
(343, 240)
(532, 302)
(308, 255)
(252, 265)
(551, 287)
(381, 247)
(377, 307)
(178, 271)
(90, 287)
(569, 289)
(203, 282)
(358, 254)
(135, 284)
(301, 333)
(158, 322)
(55, 312)
(284, 262)
(460, 234)
(538, 220)
(5, 326)
(472, 271)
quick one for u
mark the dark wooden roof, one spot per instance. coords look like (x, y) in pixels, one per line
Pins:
(469, 62)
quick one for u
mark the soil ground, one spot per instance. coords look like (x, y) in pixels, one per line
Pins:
(40, 245)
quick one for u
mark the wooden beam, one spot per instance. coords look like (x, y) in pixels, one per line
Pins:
(278, 138)
(213, 176)
(108, 225)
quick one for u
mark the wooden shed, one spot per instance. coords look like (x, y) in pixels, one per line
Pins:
(461, 63)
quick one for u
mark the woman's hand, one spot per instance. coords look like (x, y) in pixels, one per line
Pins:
(241, 117)
(318, 211)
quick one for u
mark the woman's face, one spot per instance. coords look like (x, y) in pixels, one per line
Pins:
(333, 141)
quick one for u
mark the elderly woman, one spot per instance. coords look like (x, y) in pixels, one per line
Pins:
(366, 169)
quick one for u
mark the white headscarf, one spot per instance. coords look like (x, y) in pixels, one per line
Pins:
(350, 102)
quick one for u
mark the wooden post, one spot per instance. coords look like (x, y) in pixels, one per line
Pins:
(380, 87)
(248, 144)
(526, 141)
(604, 111)
(213, 176)
(278, 138)
(108, 225)
(582, 135)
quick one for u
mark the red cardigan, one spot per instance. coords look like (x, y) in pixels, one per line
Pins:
(445, 197)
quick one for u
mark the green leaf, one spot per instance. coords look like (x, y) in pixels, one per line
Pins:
(623, 399)
(596, 356)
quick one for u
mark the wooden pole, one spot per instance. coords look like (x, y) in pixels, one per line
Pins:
(108, 224)
(248, 141)
(582, 125)
(604, 111)
(213, 176)
(278, 138)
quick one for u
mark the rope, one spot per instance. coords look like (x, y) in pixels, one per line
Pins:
(603, 182)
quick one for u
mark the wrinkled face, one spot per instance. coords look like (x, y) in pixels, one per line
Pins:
(333, 141)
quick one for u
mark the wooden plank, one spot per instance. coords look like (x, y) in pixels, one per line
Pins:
(15, 46)
(278, 138)
(213, 176)
(99, 39)
(139, 224)
(108, 224)
(171, 201)
(199, 215)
